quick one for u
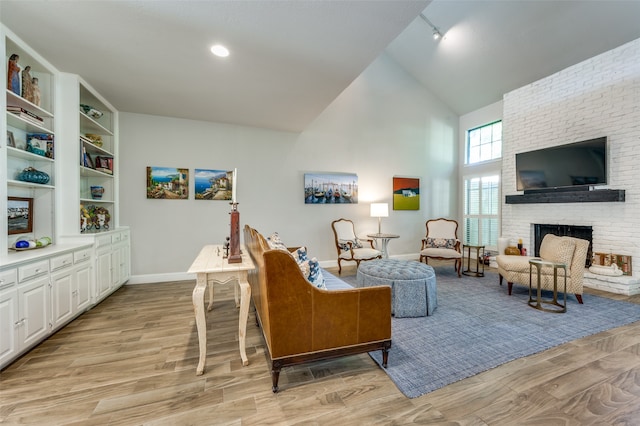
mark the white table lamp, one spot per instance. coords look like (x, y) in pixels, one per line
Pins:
(379, 210)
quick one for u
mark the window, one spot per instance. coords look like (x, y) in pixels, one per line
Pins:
(484, 143)
(482, 210)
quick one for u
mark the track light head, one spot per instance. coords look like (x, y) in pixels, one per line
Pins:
(436, 34)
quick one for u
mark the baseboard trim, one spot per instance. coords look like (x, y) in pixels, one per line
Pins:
(160, 278)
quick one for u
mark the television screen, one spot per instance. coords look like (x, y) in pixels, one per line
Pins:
(576, 164)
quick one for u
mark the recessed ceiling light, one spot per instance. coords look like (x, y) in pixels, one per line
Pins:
(220, 50)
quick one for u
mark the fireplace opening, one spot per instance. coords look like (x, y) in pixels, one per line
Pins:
(583, 232)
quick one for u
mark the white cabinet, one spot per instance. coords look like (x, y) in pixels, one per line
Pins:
(83, 279)
(33, 311)
(62, 290)
(8, 315)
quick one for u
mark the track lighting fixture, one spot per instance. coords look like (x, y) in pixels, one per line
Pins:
(436, 32)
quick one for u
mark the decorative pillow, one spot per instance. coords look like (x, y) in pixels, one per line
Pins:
(276, 243)
(315, 274)
(447, 243)
(344, 244)
(300, 255)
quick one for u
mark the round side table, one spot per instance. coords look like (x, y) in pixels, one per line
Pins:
(384, 242)
(478, 271)
(537, 301)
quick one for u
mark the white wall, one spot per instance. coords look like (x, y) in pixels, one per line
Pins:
(384, 124)
(598, 97)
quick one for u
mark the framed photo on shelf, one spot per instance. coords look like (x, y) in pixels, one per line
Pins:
(10, 141)
(20, 215)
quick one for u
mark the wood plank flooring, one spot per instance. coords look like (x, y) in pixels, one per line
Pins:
(131, 360)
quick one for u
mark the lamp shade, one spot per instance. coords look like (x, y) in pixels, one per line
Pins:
(379, 210)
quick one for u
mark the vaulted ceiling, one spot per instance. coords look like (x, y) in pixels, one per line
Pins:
(291, 58)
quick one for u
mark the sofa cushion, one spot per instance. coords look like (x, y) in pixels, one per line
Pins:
(334, 283)
(557, 249)
(447, 243)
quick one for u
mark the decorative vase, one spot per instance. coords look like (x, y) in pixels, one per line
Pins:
(34, 176)
(96, 192)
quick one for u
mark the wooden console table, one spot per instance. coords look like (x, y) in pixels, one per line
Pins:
(211, 268)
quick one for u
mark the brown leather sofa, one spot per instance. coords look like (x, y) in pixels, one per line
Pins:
(302, 323)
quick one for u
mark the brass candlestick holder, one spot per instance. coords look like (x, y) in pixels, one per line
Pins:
(234, 241)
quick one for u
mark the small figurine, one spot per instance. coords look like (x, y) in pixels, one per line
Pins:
(13, 74)
(36, 91)
(27, 91)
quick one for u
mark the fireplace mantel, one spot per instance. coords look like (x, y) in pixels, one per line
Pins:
(598, 195)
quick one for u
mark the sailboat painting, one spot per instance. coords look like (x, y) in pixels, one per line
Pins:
(330, 188)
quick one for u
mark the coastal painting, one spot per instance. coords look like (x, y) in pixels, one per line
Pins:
(330, 188)
(406, 193)
(213, 184)
(169, 183)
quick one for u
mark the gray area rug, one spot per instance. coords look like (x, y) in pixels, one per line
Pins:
(477, 326)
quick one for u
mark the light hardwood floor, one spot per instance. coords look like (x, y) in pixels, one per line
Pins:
(131, 360)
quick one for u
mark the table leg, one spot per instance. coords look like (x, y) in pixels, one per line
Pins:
(384, 244)
(201, 321)
(210, 307)
(245, 297)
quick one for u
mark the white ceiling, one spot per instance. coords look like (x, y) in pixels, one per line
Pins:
(291, 58)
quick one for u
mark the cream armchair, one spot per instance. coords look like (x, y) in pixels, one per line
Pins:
(441, 242)
(350, 247)
(568, 250)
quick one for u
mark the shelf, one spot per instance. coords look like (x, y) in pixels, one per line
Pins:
(26, 155)
(89, 172)
(21, 184)
(89, 125)
(15, 100)
(92, 148)
(94, 201)
(22, 124)
(595, 196)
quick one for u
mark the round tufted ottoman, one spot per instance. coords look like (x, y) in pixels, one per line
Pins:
(413, 285)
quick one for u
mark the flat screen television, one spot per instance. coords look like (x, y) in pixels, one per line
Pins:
(572, 166)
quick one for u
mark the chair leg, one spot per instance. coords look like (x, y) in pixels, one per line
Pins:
(500, 279)
(509, 287)
(459, 267)
(339, 267)
(579, 297)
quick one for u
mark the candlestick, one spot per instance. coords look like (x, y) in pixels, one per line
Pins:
(233, 186)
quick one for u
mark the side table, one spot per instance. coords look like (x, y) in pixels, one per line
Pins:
(468, 271)
(384, 241)
(211, 268)
(537, 302)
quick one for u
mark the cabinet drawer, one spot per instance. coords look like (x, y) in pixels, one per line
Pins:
(8, 278)
(103, 240)
(82, 255)
(115, 238)
(61, 261)
(33, 270)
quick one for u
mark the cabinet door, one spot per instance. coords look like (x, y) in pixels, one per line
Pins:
(33, 299)
(83, 286)
(103, 273)
(62, 303)
(9, 322)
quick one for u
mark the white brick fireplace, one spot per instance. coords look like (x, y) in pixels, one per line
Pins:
(598, 97)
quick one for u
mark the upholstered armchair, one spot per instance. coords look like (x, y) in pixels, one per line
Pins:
(568, 250)
(441, 242)
(349, 246)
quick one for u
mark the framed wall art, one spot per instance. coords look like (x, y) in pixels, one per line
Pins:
(10, 141)
(167, 183)
(20, 215)
(213, 184)
(406, 193)
(330, 188)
